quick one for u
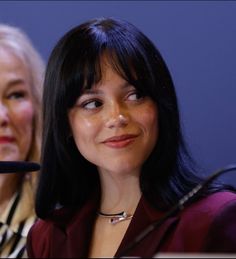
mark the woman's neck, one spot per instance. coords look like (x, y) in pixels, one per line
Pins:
(119, 193)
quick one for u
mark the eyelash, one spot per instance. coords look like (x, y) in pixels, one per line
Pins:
(16, 95)
(85, 104)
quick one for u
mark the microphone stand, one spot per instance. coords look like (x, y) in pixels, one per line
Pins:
(176, 208)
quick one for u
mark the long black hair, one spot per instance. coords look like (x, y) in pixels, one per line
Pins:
(67, 178)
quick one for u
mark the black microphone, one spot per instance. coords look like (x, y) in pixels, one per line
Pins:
(176, 208)
(18, 167)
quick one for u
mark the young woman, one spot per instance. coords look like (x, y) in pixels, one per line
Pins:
(21, 73)
(114, 159)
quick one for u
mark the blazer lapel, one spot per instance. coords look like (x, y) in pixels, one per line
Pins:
(72, 237)
(143, 217)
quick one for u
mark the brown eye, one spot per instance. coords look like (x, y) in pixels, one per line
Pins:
(92, 104)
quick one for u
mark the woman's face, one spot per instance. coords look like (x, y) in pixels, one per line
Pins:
(16, 108)
(113, 126)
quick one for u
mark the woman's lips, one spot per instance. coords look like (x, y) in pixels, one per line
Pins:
(120, 141)
(6, 139)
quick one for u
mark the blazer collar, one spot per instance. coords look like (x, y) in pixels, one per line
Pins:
(73, 238)
(144, 216)
(72, 231)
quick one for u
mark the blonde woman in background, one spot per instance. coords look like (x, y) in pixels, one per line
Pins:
(21, 76)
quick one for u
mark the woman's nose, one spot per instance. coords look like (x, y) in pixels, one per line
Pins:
(3, 115)
(117, 117)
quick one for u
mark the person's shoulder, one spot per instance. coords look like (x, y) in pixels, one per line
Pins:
(210, 206)
(38, 239)
(221, 235)
(214, 202)
(200, 218)
(43, 231)
(41, 226)
(57, 217)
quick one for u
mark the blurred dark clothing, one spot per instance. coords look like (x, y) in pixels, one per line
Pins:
(205, 226)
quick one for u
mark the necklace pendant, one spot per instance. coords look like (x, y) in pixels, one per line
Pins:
(113, 221)
(116, 217)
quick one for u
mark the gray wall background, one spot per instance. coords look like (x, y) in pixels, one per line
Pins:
(197, 40)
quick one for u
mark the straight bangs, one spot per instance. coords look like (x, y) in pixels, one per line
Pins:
(85, 59)
(127, 58)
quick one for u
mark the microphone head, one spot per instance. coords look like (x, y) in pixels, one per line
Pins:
(18, 167)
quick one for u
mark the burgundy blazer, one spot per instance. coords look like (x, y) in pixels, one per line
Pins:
(208, 225)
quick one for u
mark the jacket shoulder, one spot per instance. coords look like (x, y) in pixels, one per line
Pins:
(221, 236)
(212, 204)
(208, 208)
(204, 224)
(38, 239)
